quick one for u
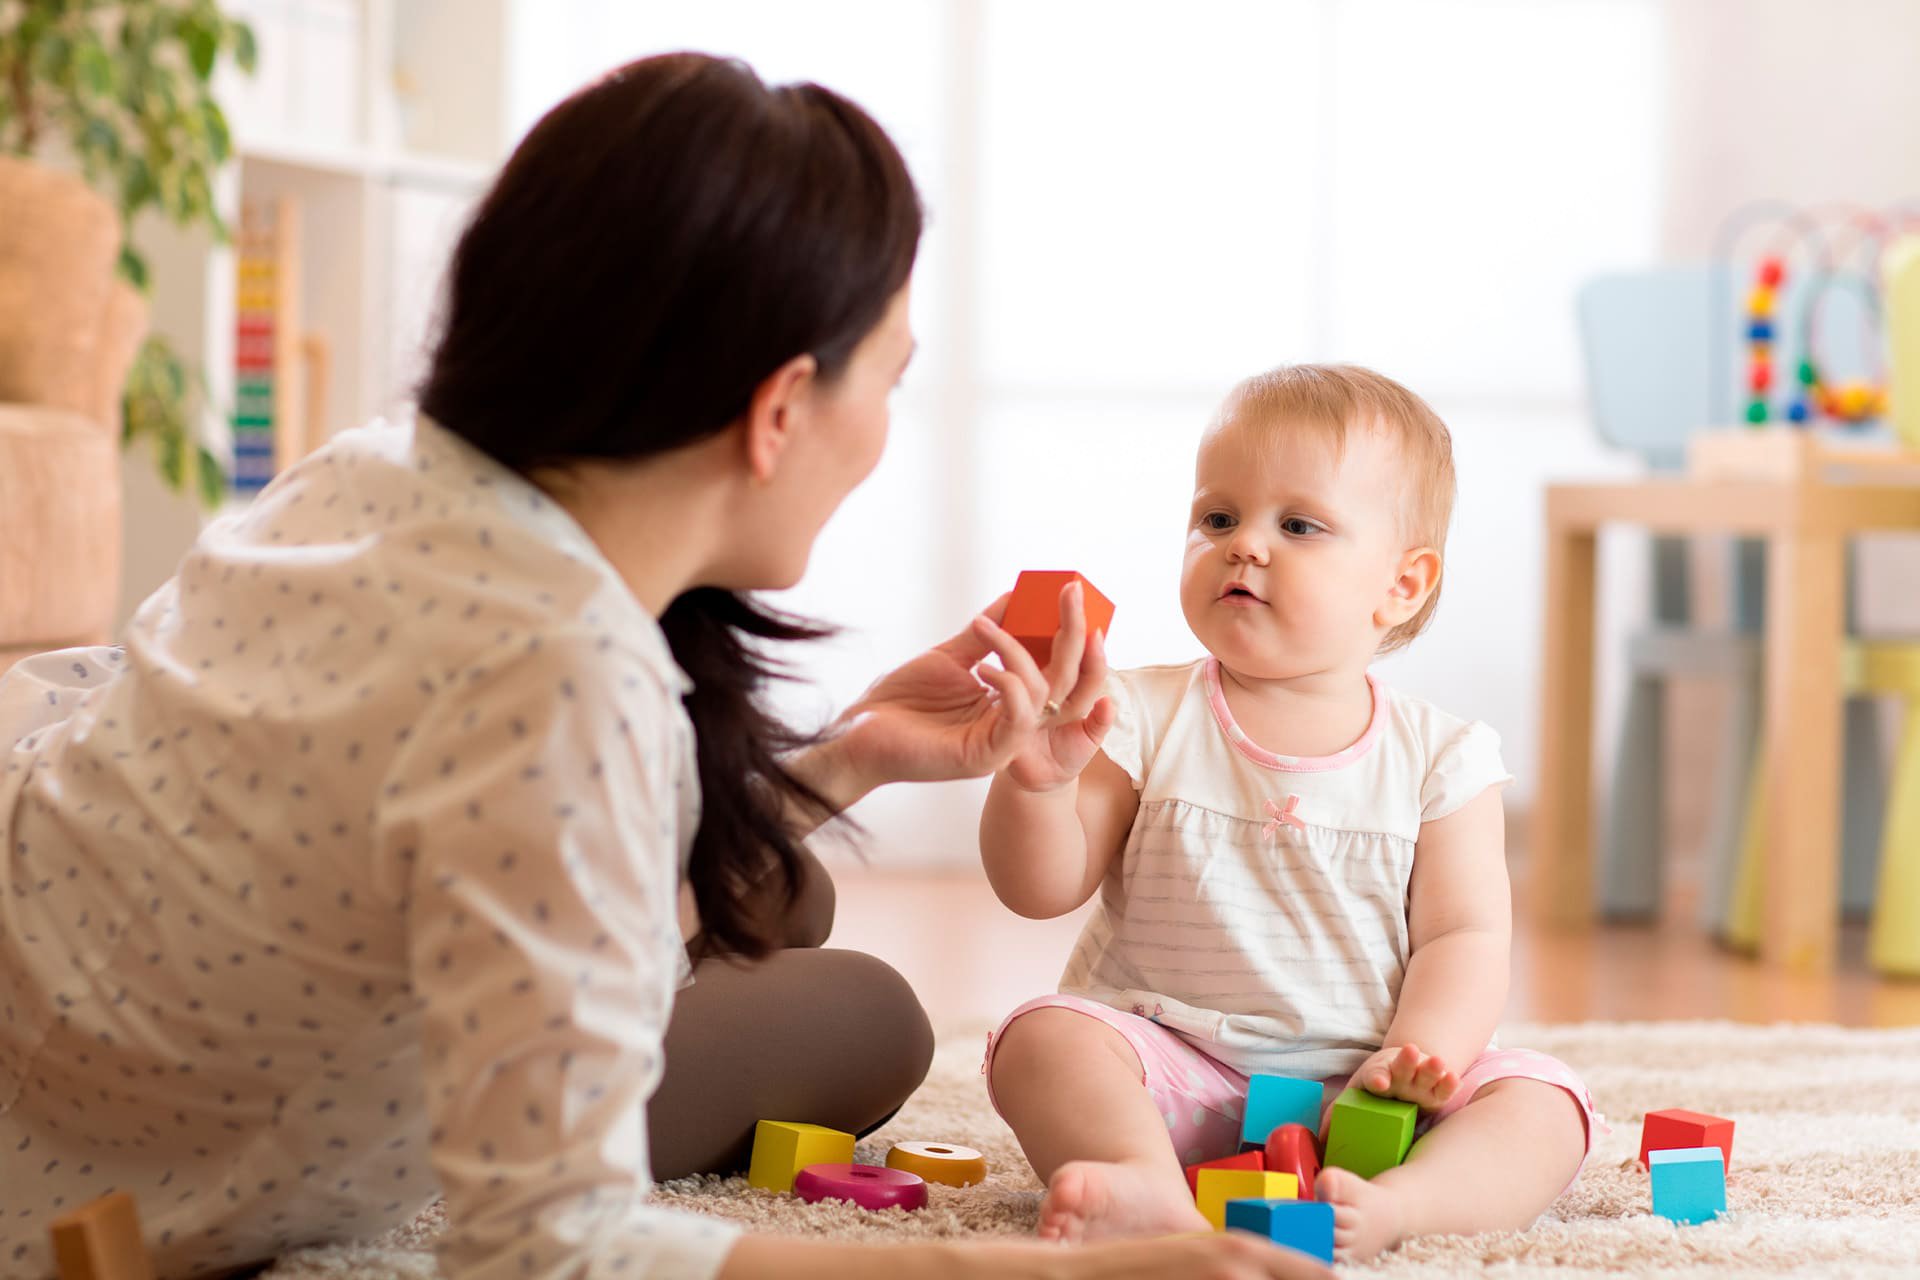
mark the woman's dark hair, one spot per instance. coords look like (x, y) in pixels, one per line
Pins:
(656, 247)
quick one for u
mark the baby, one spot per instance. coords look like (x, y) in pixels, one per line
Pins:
(1301, 872)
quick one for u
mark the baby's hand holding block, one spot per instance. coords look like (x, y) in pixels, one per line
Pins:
(1368, 1134)
(1033, 612)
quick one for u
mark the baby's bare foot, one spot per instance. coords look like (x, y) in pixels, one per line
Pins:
(1089, 1200)
(1366, 1215)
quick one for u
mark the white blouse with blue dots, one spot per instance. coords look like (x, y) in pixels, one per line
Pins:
(350, 881)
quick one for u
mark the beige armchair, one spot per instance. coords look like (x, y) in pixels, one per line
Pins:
(69, 329)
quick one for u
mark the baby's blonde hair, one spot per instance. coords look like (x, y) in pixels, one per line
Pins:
(1330, 400)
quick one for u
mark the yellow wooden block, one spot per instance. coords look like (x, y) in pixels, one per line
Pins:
(945, 1162)
(1217, 1186)
(782, 1148)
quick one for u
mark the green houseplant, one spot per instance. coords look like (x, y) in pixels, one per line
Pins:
(124, 89)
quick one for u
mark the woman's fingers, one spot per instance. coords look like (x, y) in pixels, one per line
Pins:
(970, 645)
(1016, 701)
(1013, 656)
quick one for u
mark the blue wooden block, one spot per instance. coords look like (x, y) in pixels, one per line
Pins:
(1306, 1225)
(1276, 1100)
(1689, 1183)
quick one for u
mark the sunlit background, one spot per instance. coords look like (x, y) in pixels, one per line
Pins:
(1132, 205)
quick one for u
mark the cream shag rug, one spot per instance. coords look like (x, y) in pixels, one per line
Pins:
(1825, 1179)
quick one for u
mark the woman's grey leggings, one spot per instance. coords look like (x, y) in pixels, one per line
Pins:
(834, 1038)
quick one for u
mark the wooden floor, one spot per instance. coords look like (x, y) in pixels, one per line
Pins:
(972, 961)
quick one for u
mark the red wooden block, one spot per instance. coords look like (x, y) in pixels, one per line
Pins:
(1033, 614)
(1255, 1160)
(1292, 1148)
(1678, 1130)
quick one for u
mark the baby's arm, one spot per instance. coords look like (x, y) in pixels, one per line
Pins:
(1461, 921)
(1046, 850)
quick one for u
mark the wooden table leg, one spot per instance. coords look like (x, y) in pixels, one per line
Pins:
(1562, 871)
(1806, 585)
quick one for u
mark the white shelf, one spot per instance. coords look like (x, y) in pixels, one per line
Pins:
(370, 164)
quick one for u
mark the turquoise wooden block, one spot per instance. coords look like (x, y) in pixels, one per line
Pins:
(1276, 1100)
(1368, 1134)
(1305, 1225)
(1689, 1183)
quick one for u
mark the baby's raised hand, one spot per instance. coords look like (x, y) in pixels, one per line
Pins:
(1073, 715)
(1405, 1073)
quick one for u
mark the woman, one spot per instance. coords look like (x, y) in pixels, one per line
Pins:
(356, 877)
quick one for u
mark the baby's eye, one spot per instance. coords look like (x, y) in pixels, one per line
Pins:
(1216, 521)
(1298, 528)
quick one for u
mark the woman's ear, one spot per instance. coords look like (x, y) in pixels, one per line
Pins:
(773, 415)
(1419, 574)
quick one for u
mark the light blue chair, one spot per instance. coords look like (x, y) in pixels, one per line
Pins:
(1657, 360)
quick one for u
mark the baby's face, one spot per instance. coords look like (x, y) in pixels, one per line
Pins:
(1293, 553)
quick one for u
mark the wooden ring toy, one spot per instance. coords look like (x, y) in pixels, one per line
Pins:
(951, 1165)
(869, 1186)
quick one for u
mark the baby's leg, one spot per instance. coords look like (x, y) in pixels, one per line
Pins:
(1494, 1165)
(1072, 1089)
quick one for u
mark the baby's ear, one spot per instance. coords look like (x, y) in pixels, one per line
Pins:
(1417, 576)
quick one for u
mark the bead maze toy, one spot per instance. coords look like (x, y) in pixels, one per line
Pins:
(1689, 1184)
(1294, 1224)
(1804, 263)
(1368, 1134)
(955, 1166)
(1677, 1129)
(1033, 612)
(869, 1186)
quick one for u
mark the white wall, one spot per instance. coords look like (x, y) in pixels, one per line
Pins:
(1132, 204)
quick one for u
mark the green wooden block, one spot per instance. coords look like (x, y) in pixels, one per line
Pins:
(1369, 1135)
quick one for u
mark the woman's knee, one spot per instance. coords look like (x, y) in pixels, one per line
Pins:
(887, 1017)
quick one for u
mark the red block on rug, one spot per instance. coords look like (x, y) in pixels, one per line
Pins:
(1255, 1160)
(1678, 1130)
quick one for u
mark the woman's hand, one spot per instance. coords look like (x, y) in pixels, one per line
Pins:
(1207, 1255)
(950, 713)
(1405, 1073)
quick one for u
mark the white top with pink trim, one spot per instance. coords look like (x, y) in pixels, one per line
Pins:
(1259, 910)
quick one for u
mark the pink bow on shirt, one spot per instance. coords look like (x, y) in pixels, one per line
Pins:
(1286, 817)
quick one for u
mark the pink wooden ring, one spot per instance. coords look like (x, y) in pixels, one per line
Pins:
(868, 1186)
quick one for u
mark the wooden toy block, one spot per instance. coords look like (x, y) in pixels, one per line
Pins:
(1033, 614)
(1369, 1135)
(1293, 1224)
(1254, 1161)
(1276, 1100)
(781, 1149)
(1294, 1149)
(955, 1166)
(1217, 1186)
(101, 1241)
(867, 1185)
(1689, 1186)
(1678, 1130)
